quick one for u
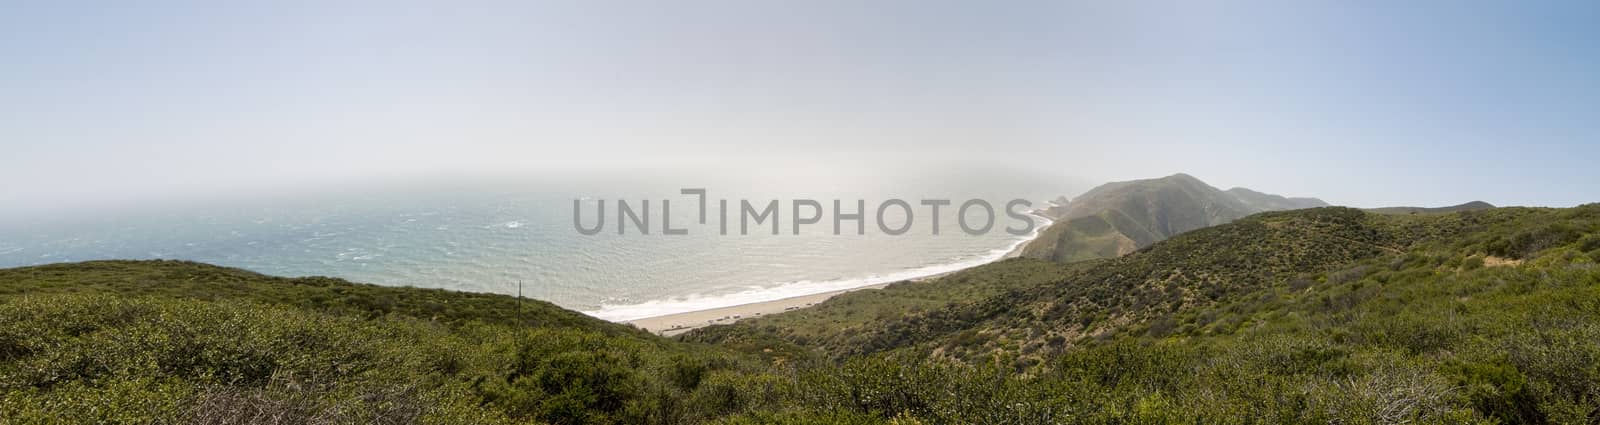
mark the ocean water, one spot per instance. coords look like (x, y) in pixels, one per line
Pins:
(487, 236)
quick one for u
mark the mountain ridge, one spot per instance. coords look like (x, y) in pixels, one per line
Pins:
(1117, 218)
(1468, 206)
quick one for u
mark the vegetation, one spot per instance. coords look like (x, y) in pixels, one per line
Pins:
(1470, 206)
(1328, 315)
(1323, 315)
(189, 280)
(823, 329)
(1257, 201)
(246, 348)
(1117, 218)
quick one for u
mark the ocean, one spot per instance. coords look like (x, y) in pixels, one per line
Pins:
(489, 235)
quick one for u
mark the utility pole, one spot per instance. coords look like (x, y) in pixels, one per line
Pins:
(516, 334)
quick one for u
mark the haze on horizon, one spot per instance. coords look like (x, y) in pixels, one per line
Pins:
(1359, 103)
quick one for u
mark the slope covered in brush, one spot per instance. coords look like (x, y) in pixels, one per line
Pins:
(1328, 315)
(1470, 206)
(1052, 305)
(1194, 269)
(181, 342)
(1319, 316)
(1117, 218)
(205, 282)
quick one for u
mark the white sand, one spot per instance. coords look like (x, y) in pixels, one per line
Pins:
(673, 324)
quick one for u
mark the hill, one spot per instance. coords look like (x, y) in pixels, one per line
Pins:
(1257, 201)
(1470, 206)
(1120, 217)
(1320, 315)
(833, 323)
(204, 282)
(183, 342)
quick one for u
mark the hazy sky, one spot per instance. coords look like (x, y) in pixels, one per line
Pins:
(1365, 103)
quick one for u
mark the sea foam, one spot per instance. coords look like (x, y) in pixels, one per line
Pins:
(698, 302)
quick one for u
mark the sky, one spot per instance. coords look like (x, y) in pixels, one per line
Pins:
(1362, 103)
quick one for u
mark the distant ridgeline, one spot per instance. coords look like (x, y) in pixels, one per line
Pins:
(1470, 206)
(1117, 218)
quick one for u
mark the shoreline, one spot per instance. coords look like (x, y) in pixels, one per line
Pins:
(677, 323)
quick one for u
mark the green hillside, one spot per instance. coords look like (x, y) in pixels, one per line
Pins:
(182, 342)
(189, 280)
(1326, 315)
(1470, 206)
(1087, 238)
(836, 322)
(1312, 316)
(1192, 270)
(1117, 218)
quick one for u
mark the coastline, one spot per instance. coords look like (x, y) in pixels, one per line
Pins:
(677, 323)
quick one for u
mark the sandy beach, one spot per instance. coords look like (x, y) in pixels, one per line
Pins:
(673, 324)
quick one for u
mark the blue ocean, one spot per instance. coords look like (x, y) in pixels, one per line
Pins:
(487, 235)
